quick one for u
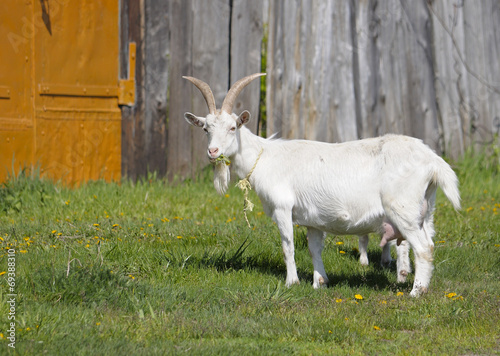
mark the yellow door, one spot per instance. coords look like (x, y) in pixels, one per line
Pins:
(59, 88)
(16, 111)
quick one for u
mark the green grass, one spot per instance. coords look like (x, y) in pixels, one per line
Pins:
(155, 268)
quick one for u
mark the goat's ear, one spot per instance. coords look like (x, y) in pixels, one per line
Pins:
(243, 118)
(194, 120)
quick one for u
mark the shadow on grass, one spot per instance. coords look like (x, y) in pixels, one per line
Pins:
(375, 276)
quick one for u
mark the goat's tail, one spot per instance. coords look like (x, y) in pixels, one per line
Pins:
(445, 178)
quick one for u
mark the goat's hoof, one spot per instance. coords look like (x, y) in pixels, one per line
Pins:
(291, 283)
(386, 264)
(402, 276)
(321, 283)
(417, 292)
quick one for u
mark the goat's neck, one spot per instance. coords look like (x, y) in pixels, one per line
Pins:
(249, 149)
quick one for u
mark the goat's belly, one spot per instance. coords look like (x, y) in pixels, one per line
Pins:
(341, 222)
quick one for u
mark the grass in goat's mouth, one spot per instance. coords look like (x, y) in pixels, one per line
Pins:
(220, 159)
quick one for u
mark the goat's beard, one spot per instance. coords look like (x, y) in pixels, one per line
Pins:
(221, 177)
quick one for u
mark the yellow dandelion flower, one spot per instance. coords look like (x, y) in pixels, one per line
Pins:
(338, 300)
(375, 327)
(98, 323)
(399, 294)
(358, 297)
(342, 252)
(2, 273)
(23, 251)
(383, 302)
(330, 332)
(451, 295)
(87, 246)
(54, 231)
(340, 243)
(179, 237)
(96, 225)
(227, 195)
(131, 276)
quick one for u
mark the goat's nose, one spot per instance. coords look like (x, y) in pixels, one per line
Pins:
(213, 152)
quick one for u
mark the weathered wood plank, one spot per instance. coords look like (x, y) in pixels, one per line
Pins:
(179, 133)
(483, 73)
(245, 46)
(367, 59)
(133, 162)
(448, 41)
(210, 63)
(156, 84)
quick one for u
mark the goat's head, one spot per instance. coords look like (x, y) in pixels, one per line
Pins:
(221, 125)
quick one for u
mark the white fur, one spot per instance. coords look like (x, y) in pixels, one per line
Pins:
(348, 188)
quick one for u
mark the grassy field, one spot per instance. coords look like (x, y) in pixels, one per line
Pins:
(154, 268)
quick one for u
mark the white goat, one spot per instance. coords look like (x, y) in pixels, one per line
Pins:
(386, 184)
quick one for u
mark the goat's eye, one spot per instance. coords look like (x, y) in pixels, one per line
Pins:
(205, 129)
(232, 129)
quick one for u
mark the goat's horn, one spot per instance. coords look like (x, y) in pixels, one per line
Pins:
(227, 104)
(206, 91)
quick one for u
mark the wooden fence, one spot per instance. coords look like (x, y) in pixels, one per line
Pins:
(337, 70)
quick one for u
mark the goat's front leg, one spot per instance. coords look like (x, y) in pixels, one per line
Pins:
(315, 240)
(283, 219)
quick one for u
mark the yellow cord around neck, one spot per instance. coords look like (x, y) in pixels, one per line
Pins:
(245, 186)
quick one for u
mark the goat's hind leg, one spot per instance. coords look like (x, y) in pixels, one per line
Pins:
(363, 250)
(403, 261)
(315, 239)
(423, 247)
(409, 224)
(386, 259)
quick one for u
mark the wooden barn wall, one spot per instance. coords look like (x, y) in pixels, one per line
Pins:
(218, 41)
(337, 71)
(343, 70)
